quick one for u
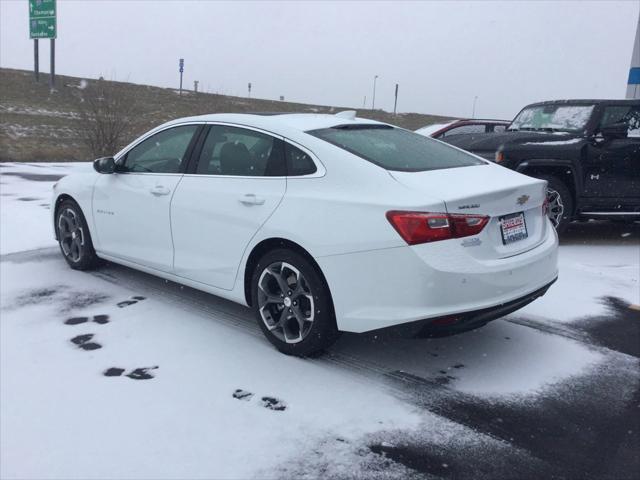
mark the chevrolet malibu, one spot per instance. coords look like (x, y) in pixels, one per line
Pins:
(319, 223)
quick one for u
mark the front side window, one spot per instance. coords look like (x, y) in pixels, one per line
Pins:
(241, 152)
(499, 128)
(629, 114)
(163, 152)
(553, 118)
(396, 149)
(464, 129)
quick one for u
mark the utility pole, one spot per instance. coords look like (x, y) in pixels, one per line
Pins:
(473, 114)
(364, 104)
(373, 101)
(395, 102)
(181, 68)
(195, 86)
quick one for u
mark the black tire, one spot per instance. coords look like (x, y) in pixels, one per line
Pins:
(74, 237)
(315, 335)
(561, 202)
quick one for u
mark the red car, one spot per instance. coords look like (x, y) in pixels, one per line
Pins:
(458, 127)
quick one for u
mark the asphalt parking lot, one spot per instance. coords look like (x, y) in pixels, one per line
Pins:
(119, 369)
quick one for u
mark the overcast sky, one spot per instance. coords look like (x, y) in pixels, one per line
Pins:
(441, 53)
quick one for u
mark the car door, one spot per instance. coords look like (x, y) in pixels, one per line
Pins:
(613, 164)
(131, 206)
(236, 184)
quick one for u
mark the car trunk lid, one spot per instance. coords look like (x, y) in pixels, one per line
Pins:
(488, 190)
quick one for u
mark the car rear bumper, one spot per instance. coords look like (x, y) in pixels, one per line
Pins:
(387, 287)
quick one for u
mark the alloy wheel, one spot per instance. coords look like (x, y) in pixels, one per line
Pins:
(285, 302)
(555, 207)
(71, 234)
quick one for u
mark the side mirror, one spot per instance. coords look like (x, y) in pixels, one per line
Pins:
(615, 130)
(104, 165)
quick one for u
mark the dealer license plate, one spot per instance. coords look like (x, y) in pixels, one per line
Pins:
(513, 228)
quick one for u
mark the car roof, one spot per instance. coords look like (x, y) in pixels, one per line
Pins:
(280, 122)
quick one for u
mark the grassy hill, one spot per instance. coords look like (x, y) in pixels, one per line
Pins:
(37, 124)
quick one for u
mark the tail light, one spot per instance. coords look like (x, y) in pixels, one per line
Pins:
(499, 156)
(421, 227)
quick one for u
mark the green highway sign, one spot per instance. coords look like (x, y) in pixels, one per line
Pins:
(42, 19)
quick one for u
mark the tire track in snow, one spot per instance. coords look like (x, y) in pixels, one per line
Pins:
(555, 427)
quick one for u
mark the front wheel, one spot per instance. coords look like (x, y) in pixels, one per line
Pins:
(560, 203)
(74, 237)
(292, 304)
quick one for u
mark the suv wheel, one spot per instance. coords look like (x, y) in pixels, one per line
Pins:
(560, 203)
(292, 304)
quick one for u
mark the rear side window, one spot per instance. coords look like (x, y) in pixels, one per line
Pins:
(241, 152)
(298, 162)
(396, 149)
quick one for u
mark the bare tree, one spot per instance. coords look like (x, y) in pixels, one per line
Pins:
(107, 114)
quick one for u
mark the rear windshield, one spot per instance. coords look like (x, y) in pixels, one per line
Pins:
(396, 149)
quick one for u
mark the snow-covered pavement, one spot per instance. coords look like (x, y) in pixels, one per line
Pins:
(117, 374)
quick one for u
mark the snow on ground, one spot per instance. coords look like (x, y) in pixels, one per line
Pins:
(25, 193)
(177, 357)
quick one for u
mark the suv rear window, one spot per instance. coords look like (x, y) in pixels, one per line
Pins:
(395, 149)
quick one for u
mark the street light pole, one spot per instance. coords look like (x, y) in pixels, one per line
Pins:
(473, 114)
(373, 100)
(395, 102)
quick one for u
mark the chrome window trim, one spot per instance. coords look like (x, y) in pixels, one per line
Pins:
(320, 169)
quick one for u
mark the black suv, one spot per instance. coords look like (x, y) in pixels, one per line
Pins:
(587, 150)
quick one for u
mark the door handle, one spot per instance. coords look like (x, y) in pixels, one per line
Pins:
(159, 190)
(251, 199)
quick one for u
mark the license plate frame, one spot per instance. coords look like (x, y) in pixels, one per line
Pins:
(513, 228)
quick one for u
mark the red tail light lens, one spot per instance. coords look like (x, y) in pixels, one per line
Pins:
(545, 206)
(421, 227)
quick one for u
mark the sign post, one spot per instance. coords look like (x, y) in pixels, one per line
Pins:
(249, 86)
(181, 68)
(43, 24)
(36, 61)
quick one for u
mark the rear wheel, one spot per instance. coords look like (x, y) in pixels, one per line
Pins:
(560, 202)
(292, 304)
(74, 237)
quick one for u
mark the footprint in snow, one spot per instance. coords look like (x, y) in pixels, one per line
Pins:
(100, 319)
(84, 342)
(273, 404)
(131, 301)
(143, 373)
(242, 394)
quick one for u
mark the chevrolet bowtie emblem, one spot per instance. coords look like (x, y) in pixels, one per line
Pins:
(523, 199)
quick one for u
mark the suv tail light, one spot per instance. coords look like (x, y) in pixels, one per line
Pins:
(545, 207)
(421, 227)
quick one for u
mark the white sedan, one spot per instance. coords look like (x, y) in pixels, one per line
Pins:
(320, 223)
